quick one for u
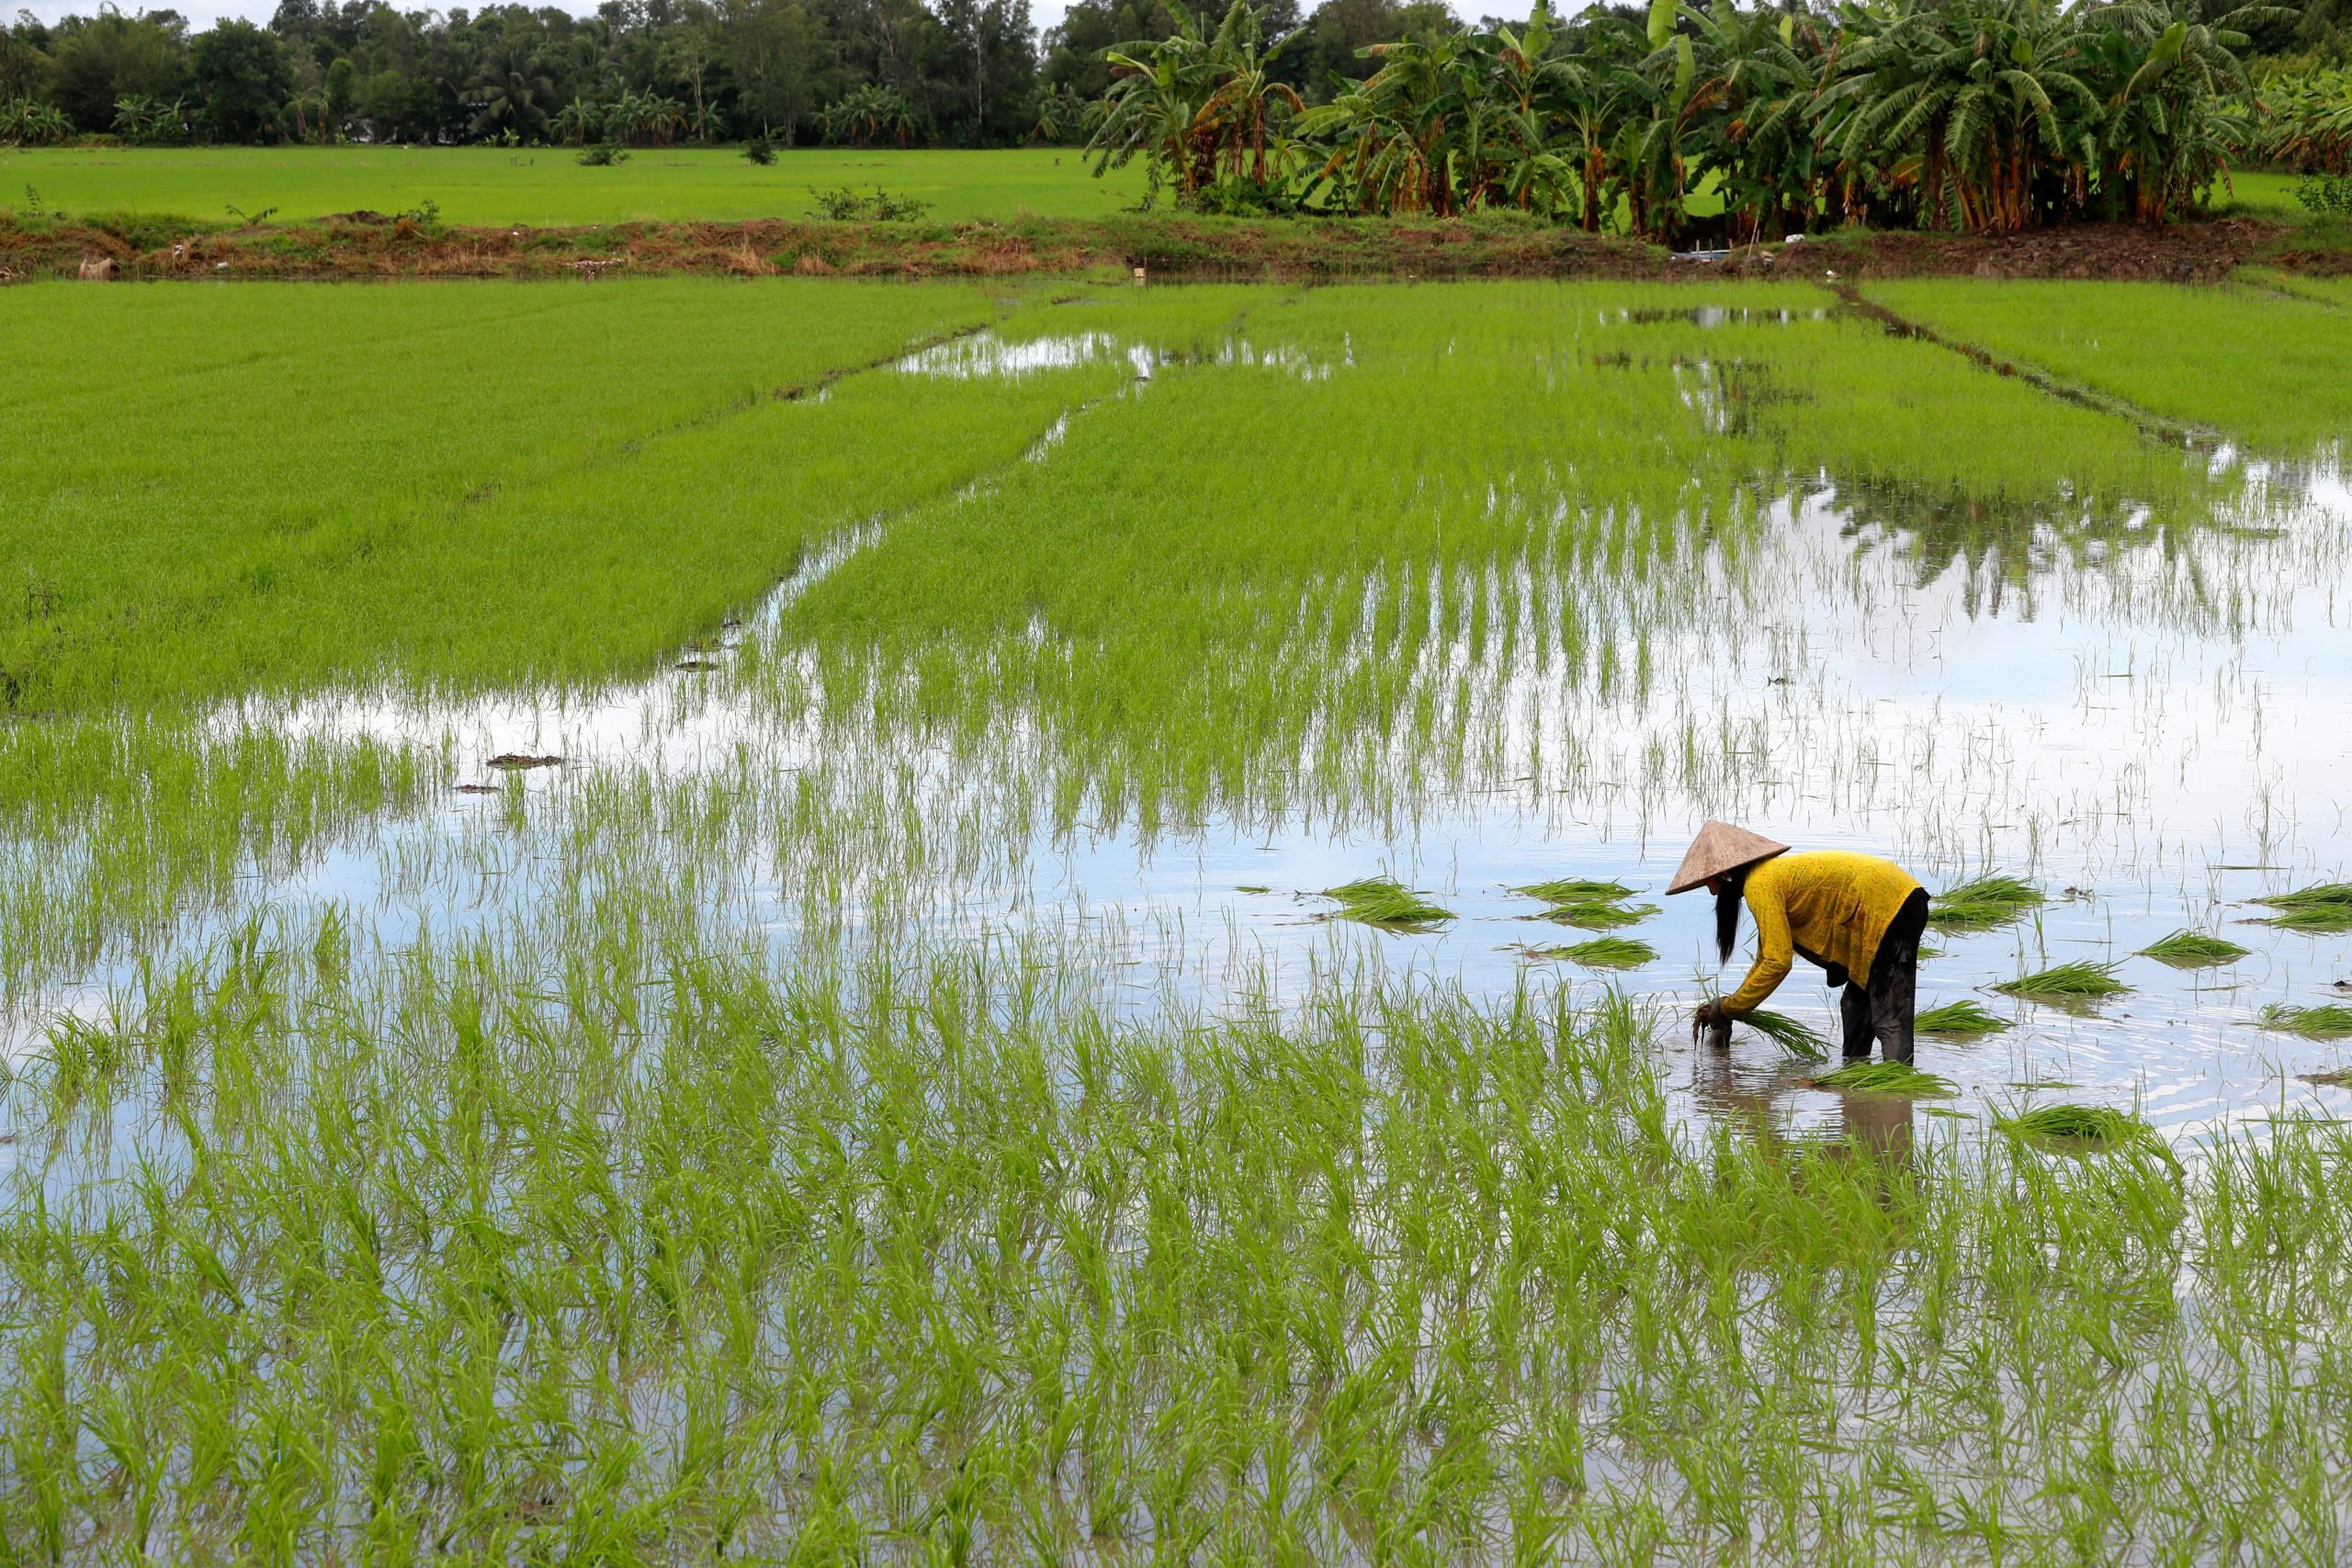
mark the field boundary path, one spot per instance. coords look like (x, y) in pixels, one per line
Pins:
(2152, 425)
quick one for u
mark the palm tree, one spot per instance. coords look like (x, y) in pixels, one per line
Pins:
(512, 88)
(578, 123)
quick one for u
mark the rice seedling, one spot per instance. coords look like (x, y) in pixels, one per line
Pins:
(1575, 890)
(1383, 901)
(2329, 1021)
(1885, 1077)
(1601, 952)
(2192, 949)
(1793, 1035)
(2079, 981)
(2098, 1124)
(2332, 1077)
(1963, 1019)
(2321, 908)
(1596, 914)
(1982, 903)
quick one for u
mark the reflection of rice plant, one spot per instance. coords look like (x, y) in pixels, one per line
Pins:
(1981, 905)
(2082, 1123)
(2330, 1020)
(2323, 907)
(1886, 1077)
(2068, 981)
(1575, 890)
(1795, 1037)
(1383, 901)
(1960, 1018)
(2188, 948)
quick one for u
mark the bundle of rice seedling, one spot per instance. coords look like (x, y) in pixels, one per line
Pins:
(1383, 901)
(1575, 890)
(1981, 905)
(1886, 1077)
(1798, 1039)
(2068, 981)
(1609, 953)
(1960, 1019)
(2322, 906)
(2081, 1123)
(1596, 916)
(2188, 948)
(2334, 1078)
(2330, 1020)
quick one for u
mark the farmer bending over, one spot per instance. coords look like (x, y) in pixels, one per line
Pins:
(1857, 916)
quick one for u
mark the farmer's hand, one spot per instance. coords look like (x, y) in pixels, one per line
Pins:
(1711, 1020)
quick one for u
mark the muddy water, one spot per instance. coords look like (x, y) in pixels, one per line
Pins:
(2151, 728)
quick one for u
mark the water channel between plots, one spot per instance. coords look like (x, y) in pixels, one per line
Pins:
(2086, 721)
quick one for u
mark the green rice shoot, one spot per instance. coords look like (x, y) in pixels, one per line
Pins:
(1886, 1077)
(2188, 948)
(1961, 1019)
(1982, 903)
(1793, 1035)
(1383, 901)
(2329, 1021)
(2077, 980)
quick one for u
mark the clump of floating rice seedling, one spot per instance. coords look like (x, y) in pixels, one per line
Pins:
(1793, 1035)
(1385, 902)
(2334, 1078)
(2080, 1123)
(1982, 903)
(1593, 905)
(1960, 1019)
(1601, 953)
(2188, 948)
(1575, 890)
(2068, 981)
(1886, 1077)
(2330, 1020)
(1598, 915)
(2322, 906)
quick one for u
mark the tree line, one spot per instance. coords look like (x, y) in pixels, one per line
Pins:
(1971, 115)
(950, 72)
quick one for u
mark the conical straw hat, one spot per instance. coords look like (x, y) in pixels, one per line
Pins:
(1719, 848)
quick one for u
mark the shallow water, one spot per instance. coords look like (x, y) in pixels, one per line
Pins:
(2147, 720)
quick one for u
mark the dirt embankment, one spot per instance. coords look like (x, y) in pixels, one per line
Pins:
(371, 246)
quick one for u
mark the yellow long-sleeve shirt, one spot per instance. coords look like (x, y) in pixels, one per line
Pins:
(1832, 905)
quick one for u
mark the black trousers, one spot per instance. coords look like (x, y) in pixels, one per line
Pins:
(1884, 1006)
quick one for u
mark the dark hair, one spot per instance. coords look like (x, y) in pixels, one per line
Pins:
(1727, 912)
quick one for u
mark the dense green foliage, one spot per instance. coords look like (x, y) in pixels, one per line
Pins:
(855, 73)
(1980, 115)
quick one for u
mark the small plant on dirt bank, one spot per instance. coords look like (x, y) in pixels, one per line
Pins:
(759, 151)
(2326, 195)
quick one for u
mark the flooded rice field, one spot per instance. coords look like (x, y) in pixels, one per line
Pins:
(890, 1078)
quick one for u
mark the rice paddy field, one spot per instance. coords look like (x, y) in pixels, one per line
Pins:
(810, 921)
(548, 185)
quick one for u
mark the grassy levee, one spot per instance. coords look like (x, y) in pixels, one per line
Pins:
(544, 185)
(601, 1245)
(2263, 369)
